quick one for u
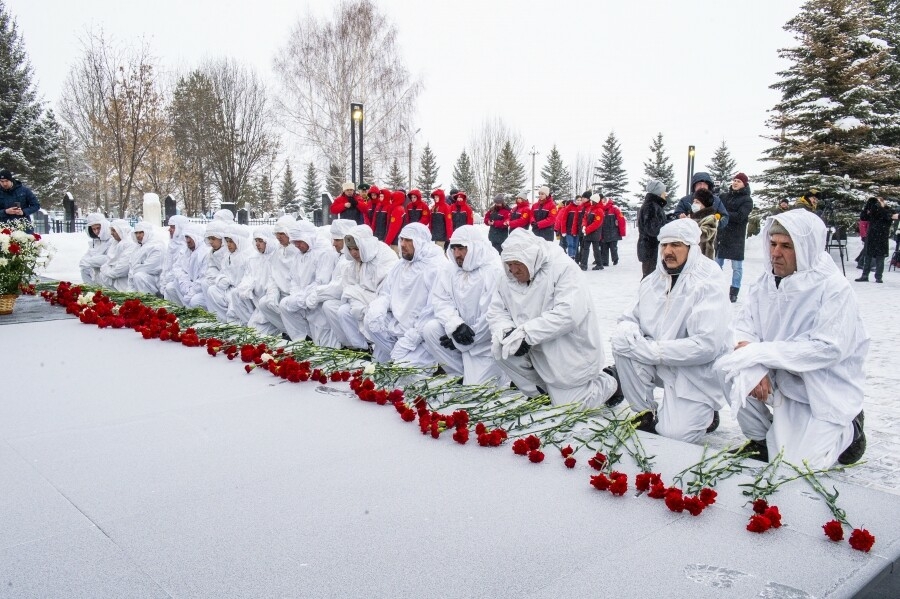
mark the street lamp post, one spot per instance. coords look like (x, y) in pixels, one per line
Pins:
(356, 121)
(533, 153)
(412, 135)
(690, 168)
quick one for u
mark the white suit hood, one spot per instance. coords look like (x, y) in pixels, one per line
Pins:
(95, 218)
(224, 216)
(521, 246)
(362, 279)
(425, 249)
(340, 227)
(147, 257)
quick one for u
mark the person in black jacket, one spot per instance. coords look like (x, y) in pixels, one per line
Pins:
(16, 200)
(877, 239)
(651, 218)
(730, 240)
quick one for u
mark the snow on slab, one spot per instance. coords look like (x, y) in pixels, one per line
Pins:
(208, 482)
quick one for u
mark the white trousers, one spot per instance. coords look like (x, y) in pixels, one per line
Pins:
(119, 284)
(332, 335)
(145, 283)
(170, 292)
(473, 362)
(351, 328)
(217, 302)
(790, 424)
(294, 316)
(90, 275)
(592, 394)
(679, 418)
(239, 309)
(270, 309)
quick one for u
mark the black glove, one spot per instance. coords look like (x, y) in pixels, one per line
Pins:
(464, 335)
(353, 203)
(523, 348)
(497, 215)
(446, 342)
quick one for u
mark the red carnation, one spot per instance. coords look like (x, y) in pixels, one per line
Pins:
(533, 442)
(642, 481)
(834, 530)
(707, 496)
(597, 462)
(496, 437)
(657, 491)
(619, 485)
(760, 505)
(569, 462)
(14, 248)
(536, 456)
(461, 436)
(861, 539)
(36, 237)
(773, 515)
(480, 428)
(693, 505)
(567, 451)
(408, 415)
(600, 482)
(520, 447)
(674, 500)
(758, 524)
(249, 368)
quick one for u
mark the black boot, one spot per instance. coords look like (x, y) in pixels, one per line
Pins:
(863, 279)
(733, 293)
(646, 422)
(755, 450)
(857, 447)
(617, 397)
(715, 422)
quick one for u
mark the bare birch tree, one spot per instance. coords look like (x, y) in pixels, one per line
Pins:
(582, 172)
(352, 57)
(484, 147)
(112, 104)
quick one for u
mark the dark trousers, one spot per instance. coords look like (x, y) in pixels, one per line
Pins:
(647, 267)
(872, 263)
(608, 248)
(498, 246)
(586, 245)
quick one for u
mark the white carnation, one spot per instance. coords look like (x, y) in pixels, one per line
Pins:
(20, 236)
(3, 262)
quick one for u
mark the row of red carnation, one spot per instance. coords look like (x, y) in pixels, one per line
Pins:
(161, 324)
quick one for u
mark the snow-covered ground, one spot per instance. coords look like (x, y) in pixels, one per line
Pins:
(615, 288)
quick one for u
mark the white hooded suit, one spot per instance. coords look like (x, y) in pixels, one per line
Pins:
(396, 318)
(462, 295)
(327, 297)
(146, 260)
(189, 273)
(244, 298)
(279, 285)
(671, 338)
(554, 314)
(310, 269)
(231, 271)
(114, 272)
(804, 332)
(98, 246)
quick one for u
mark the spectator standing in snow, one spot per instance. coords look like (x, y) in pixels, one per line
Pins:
(877, 246)
(497, 219)
(796, 376)
(611, 232)
(544, 214)
(704, 214)
(441, 223)
(520, 215)
(731, 240)
(592, 225)
(16, 200)
(650, 219)
(349, 204)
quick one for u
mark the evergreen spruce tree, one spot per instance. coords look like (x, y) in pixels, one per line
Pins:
(509, 174)
(428, 172)
(29, 134)
(659, 167)
(838, 107)
(464, 178)
(609, 175)
(723, 167)
(288, 194)
(266, 203)
(556, 177)
(312, 190)
(368, 172)
(396, 177)
(335, 180)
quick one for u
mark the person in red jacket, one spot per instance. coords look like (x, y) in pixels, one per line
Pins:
(497, 218)
(559, 227)
(349, 205)
(460, 212)
(520, 215)
(592, 223)
(396, 218)
(612, 231)
(544, 214)
(417, 210)
(441, 224)
(569, 225)
(375, 196)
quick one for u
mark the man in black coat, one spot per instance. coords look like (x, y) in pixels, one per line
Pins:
(877, 239)
(16, 200)
(651, 217)
(730, 240)
(701, 180)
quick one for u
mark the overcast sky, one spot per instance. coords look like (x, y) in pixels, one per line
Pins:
(559, 72)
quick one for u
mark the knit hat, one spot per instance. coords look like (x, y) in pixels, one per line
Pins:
(705, 197)
(743, 178)
(656, 187)
(522, 195)
(545, 190)
(500, 198)
(5, 174)
(348, 185)
(776, 228)
(587, 195)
